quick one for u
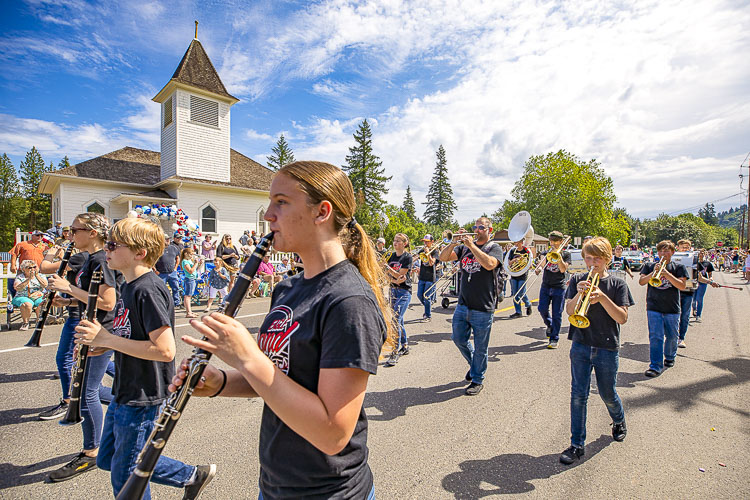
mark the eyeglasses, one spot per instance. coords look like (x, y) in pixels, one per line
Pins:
(111, 246)
(479, 227)
(73, 230)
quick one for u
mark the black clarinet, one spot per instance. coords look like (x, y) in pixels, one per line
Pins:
(36, 337)
(136, 484)
(73, 416)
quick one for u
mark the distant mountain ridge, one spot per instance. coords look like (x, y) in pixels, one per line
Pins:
(732, 217)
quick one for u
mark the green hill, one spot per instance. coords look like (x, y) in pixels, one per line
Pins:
(731, 218)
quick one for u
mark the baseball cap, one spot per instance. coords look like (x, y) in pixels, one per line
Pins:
(66, 228)
(381, 240)
(176, 235)
(428, 237)
(556, 234)
(36, 233)
(58, 222)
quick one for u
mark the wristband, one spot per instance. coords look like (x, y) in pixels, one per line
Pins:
(223, 384)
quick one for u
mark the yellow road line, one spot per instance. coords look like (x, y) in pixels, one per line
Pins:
(511, 307)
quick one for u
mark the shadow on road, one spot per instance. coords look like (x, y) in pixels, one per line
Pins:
(494, 353)
(20, 475)
(393, 404)
(636, 352)
(25, 377)
(430, 337)
(510, 473)
(20, 415)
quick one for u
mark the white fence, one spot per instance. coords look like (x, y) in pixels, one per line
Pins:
(4, 274)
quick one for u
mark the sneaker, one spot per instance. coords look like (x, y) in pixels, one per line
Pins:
(619, 431)
(56, 412)
(404, 350)
(80, 464)
(697, 319)
(668, 363)
(515, 315)
(682, 344)
(528, 310)
(570, 455)
(393, 359)
(552, 344)
(426, 319)
(474, 389)
(652, 373)
(468, 376)
(24, 326)
(203, 475)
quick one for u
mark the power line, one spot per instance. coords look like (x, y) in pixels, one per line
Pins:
(690, 209)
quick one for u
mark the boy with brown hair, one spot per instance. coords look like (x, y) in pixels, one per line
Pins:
(143, 340)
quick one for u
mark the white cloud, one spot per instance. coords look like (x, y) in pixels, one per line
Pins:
(257, 136)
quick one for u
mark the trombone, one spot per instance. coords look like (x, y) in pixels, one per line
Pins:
(655, 280)
(578, 318)
(554, 256)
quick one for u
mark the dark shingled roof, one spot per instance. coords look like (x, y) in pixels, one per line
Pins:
(141, 166)
(153, 193)
(196, 70)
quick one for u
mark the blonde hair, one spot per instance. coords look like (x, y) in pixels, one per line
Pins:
(323, 181)
(665, 245)
(598, 247)
(221, 263)
(187, 251)
(140, 234)
(95, 222)
(403, 237)
(685, 242)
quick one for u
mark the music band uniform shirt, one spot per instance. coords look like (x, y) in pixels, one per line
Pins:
(665, 298)
(515, 252)
(109, 278)
(404, 262)
(552, 277)
(478, 285)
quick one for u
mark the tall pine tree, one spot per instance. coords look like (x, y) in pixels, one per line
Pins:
(408, 207)
(440, 204)
(366, 172)
(38, 205)
(10, 202)
(64, 163)
(282, 154)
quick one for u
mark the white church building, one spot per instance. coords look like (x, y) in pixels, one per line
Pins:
(196, 170)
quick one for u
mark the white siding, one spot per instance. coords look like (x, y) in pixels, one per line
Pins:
(169, 144)
(76, 195)
(202, 151)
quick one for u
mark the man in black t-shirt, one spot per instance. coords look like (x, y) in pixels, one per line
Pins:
(479, 261)
(427, 277)
(516, 256)
(663, 307)
(552, 291)
(166, 267)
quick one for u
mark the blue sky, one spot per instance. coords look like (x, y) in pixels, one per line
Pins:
(657, 91)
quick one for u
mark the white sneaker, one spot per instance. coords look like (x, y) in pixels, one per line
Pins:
(682, 344)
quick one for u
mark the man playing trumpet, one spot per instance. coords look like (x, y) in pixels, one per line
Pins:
(552, 291)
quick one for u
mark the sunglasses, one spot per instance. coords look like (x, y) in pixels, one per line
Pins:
(74, 230)
(479, 227)
(111, 246)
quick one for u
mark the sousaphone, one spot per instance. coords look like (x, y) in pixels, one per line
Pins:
(520, 229)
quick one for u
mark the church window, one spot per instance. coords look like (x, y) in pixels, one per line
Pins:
(204, 111)
(262, 225)
(167, 112)
(208, 219)
(96, 208)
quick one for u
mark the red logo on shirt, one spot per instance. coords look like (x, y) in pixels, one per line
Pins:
(470, 265)
(274, 342)
(121, 323)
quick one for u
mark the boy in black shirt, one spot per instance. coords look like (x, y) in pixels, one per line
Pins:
(663, 307)
(517, 282)
(552, 291)
(596, 346)
(427, 277)
(619, 263)
(142, 336)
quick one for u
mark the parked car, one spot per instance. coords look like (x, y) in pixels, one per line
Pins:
(635, 259)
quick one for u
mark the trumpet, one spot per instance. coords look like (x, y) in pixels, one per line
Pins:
(424, 256)
(554, 256)
(578, 318)
(449, 236)
(655, 280)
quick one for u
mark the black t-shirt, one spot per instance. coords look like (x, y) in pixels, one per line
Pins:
(427, 271)
(145, 305)
(109, 278)
(222, 251)
(512, 254)
(329, 321)
(74, 265)
(553, 277)
(165, 264)
(619, 264)
(404, 262)
(478, 289)
(603, 332)
(665, 298)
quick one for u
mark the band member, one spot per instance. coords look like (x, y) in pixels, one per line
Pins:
(427, 278)
(143, 340)
(517, 282)
(620, 263)
(89, 232)
(687, 295)
(663, 307)
(479, 260)
(704, 271)
(596, 346)
(380, 246)
(552, 291)
(398, 271)
(317, 346)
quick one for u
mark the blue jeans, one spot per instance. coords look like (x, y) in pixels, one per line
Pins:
(604, 363)
(126, 429)
(105, 393)
(173, 280)
(661, 325)
(464, 321)
(400, 299)
(556, 297)
(698, 300)
(189, 287)
(91, 405)
(427, 300)
(64, 357)
(515, 285)
(686, 302)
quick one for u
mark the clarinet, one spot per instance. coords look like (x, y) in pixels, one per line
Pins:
(136, 484)
(36, 337)
(73, 416)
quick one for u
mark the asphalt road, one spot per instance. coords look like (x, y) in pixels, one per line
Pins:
(428, 440)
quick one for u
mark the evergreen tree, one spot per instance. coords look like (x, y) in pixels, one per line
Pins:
(408, 207)
(440, 204)
(32, 169)
(367, 174)
(10, 202)
(282, 154)
(64, 163)
(708, 214)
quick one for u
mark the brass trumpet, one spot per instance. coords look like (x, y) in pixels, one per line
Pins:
(449, 236)
(655, 280)
(578, 318)
(554, 256)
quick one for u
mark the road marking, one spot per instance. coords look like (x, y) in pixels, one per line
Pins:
(511, 307)
(176, 326)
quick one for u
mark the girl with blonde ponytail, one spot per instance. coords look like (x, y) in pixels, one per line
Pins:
(316, 347)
